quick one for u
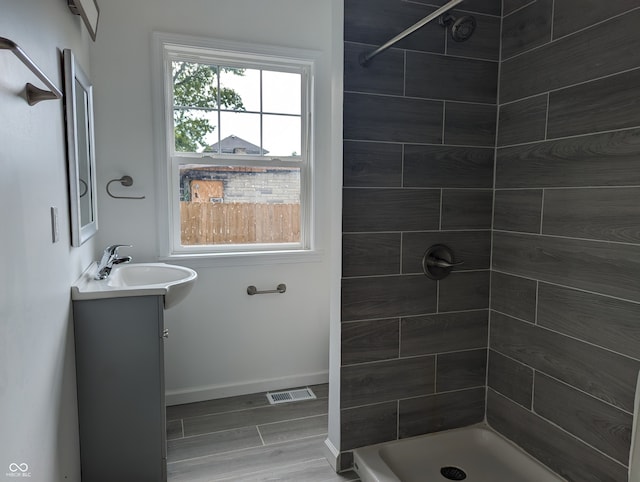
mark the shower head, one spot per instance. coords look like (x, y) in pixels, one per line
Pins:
(461, 28)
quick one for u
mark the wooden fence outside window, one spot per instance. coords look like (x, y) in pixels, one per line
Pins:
(239, 223)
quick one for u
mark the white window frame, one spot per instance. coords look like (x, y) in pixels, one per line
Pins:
(169, 47)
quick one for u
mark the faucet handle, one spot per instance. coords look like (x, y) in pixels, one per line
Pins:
(109, 258)
(112, 250)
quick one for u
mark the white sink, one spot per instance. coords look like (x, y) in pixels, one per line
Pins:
(142, 274)
(137, 279)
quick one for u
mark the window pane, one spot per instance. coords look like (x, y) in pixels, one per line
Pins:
(281, 92)
(282, 135)
(239, 205)
(195, 85)
(194, 130)
(239, 89)
(240, 133)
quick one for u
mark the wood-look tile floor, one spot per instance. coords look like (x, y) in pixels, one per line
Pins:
(246, 439)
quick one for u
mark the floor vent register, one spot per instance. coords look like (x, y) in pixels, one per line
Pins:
(290, 396)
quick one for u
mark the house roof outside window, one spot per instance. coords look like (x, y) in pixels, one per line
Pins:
(235, 145)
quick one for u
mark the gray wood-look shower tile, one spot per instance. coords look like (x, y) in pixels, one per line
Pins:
(366, 341)
(490, 7)
(387, 297)
(253, 461)
(370, 254)
(485, 41)
(466, 209)
(345, 460)
(470, 124)
(317, 470)
(523, 121)
(369, 210)
(384, 76)
(607, 214)
(376, 21)
(472, 247)
(448, 166)
(511, 5)
(368, 425)
(601, 105)
(174, 429)
(372, 164)
(370, 117)
(513, 296)
(388, 380)
(603, 321)
(518, 210)
(423, 335)
(434, 76)
(609, 159)
(565, 20)
(527, 28)
(442, 411)
(464, 291)
(510, 378)
(245, 418)
(465, 369)
(601, 267)
(294, 429)
(321, 390)
(219, 405)
(573, 59)
(601, 373)
(212, 443)
(563, 453)
(600, 425)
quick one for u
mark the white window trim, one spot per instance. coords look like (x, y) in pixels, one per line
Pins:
(166, 168)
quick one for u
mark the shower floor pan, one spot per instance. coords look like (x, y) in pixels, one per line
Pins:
(474, 454)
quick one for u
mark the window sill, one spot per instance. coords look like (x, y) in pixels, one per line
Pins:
(244, 259)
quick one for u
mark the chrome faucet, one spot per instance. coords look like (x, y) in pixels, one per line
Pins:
(109, 258)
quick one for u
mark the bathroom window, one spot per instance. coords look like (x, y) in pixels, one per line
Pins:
(238, 150)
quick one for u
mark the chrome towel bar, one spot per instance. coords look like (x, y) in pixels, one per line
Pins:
(34, 94)
(252, 290)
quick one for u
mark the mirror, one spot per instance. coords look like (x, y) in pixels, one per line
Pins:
(80, 151)
(89, 11)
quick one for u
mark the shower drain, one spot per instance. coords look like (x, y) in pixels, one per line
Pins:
(453, 473)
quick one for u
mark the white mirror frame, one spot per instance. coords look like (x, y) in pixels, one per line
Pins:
(90, 13)
(79, 188)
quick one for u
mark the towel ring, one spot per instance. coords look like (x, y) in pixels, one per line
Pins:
(125, 181)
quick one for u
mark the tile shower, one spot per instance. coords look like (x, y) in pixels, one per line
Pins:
(520, 149)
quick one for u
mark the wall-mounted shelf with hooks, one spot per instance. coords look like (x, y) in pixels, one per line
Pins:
(34, 94)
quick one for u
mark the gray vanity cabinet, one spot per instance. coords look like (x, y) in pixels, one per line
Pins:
(120, 378)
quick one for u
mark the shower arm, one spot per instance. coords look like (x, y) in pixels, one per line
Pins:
(366, 58)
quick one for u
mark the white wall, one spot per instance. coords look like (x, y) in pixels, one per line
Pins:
(38, 414)
(221, 342)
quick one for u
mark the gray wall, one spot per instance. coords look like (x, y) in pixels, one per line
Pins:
(38, 410)
(419, 130)
(565, 319)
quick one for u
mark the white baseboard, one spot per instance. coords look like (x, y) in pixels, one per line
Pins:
(332, 454)
(198, 394)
